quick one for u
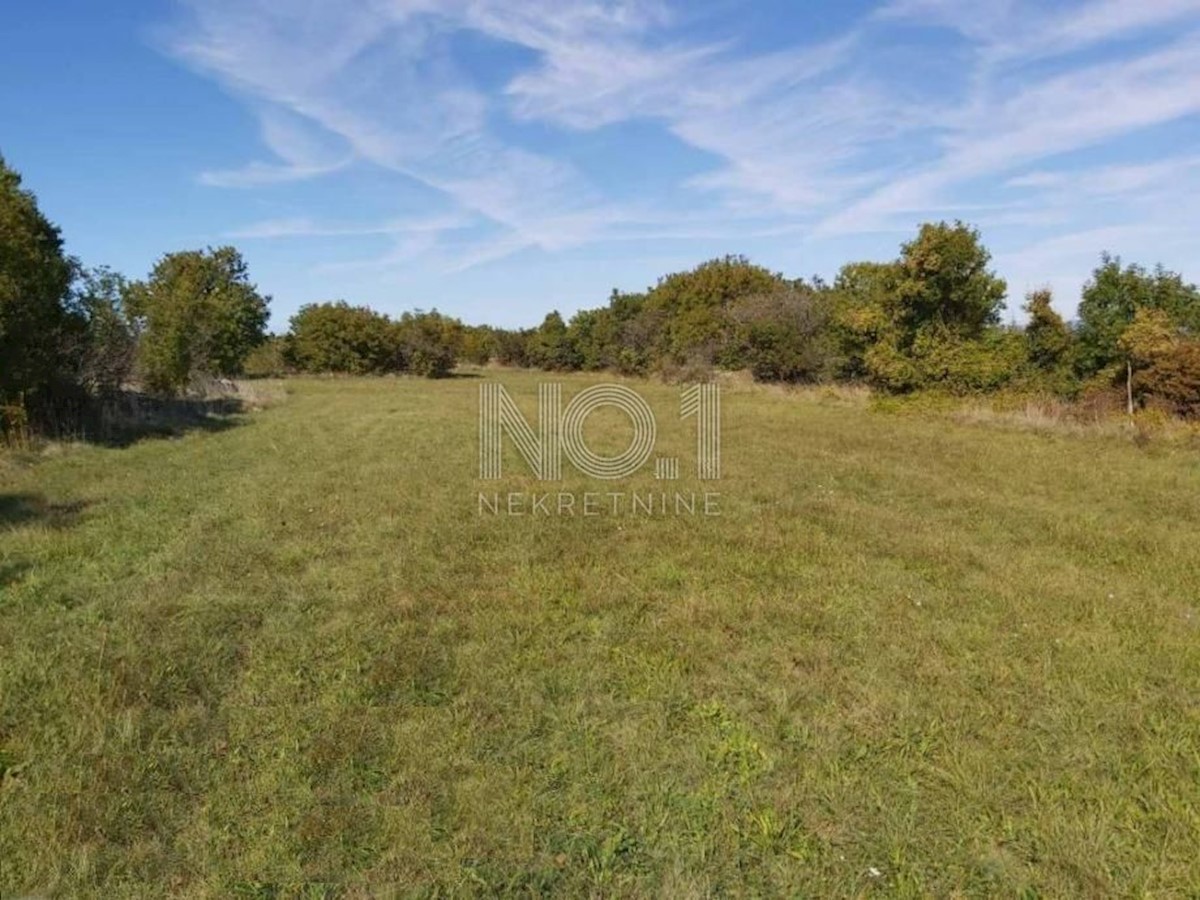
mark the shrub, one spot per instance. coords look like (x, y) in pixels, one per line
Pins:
(688, 311)
(550, 346)
(427, 343)
(267, 360)
(785, 335)
(338, 337)
(1165, 365)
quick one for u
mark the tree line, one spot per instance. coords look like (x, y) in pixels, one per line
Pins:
(72, 337)
(929, 320)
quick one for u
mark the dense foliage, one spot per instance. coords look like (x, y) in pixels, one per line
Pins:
(928, 320)
(355, 340)
(199, 315)
(35, 283)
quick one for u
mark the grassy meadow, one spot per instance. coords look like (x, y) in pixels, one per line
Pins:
(288, 656)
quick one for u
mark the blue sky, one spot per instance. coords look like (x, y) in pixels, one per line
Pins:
(496, 159)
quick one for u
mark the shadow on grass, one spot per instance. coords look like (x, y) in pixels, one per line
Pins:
(132, 417)
(12, 573)
(128, 417)
(24, 509)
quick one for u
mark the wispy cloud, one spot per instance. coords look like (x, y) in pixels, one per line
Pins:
(307, 227)
(815, 139)
(301, 149)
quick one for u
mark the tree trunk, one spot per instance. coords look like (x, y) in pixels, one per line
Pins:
(1129, 385)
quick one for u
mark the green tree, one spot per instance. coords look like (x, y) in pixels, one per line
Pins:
(860, 313)
(199, 314)
(638, 328)
(550, 346)
(478, 345)
(109, 340)
(338, 337)
(785, 335)
(693, 307)
(929, 318)
(1047, 334)
(512, 346)
(1111, 300)
(35, 281)
(595, 335)
(1050, 346)
(428, 343)
(942, 278)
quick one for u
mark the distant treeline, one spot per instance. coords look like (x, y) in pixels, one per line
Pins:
(930, 320)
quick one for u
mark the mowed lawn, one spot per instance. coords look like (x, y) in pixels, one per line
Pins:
(290, 658)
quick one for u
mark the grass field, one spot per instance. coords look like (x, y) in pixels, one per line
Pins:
(290, 658)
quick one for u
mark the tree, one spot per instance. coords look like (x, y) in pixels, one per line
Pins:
(927, 319)
(638, 329)
(478, 344)
(942, 278)
(694, 306)
(338, 337)
(1047, 334)
(785, 335)
(1161, 362)
(109, 339)
(199, 315)
(35, 281)
(595, 335)
(1049, 342)
(550, 346)
(861, 317)
(428, 342)
(1111, 300)
(512, 346)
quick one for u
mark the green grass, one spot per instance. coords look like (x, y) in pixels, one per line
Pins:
(289, 658)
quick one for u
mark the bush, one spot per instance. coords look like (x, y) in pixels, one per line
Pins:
(338, 337)
(785, 335)
(551, 347)
(696, 369)
(941, 360)
(427, 342)
(1165, 364)
(267, 360)
(1174, 378)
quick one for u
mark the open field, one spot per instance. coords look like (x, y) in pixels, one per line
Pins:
(289, 657)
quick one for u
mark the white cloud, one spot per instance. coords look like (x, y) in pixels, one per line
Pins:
(995, 133)
(813, 139)
(302, 152)
(306, 227)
